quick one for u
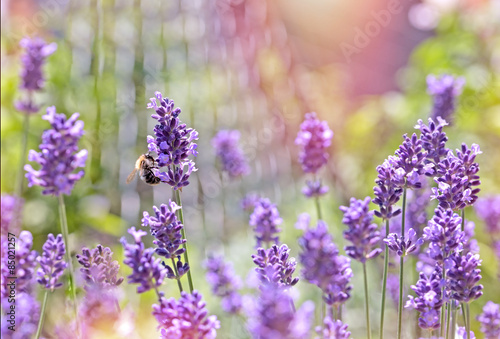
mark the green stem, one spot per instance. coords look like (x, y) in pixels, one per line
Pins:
(318, 208)
(177, 275)
(401, 266)
(448, 317)
(367, 303)
(443, 308)
(453, 320)
(42, 314)
(64, 228)
(183, 231)
(463, 314)
(467, 324)
(384, 283)
(20, 174)
(463, 221)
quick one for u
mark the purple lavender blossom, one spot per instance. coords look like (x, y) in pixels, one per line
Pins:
(186, 318)
(323, 266)
(470, 244)
(488, 209)
(273, 316)
(444, 89)
(279, 259)
(52, 264)
(332, 329)
(173, 143)
(265, 219)
(249, 200)
(433, 139)
(362, 232)
(443, 233)
(224, 282)
(25, 263)
(314, 137)
(97, 307)
(410, 163)
(147, 271)
(26, 319)
(404, 245)
(490, 320)
(166, 228)
(314, 189)
(11, 207)
(99, 268)
(393, 288)
(387, 193)
(462, 334)
(59, 156)
(31, 75)
(463, 275)
(428, 300)
(229, 153)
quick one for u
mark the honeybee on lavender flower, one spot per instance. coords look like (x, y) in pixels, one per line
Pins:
(145, 165)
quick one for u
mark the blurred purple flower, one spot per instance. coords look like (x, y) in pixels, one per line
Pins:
(428, 299)
(444, 89)
(52, 264)
(463, 275)
(99, 306)
(314, 138)
(417, 202)
(273, 316)
(490, 320)
(146, 270)
(488, 209)
(224, 283)
(443, 233)
(314, 188)
(323, 266)
(173, 143)
(11, 207)
(265, 219)
(282, 265)
(99, 269)
(470, 244)
(249, 200)
(404, 245)
(332, 329)
(186, 318)
(433, 139)
(229, 153)
(387, 193)
(166, 228)
(25, 262)
(27, 314)
(59, 156)
(393, 288)
(462, 334)
(362, 232)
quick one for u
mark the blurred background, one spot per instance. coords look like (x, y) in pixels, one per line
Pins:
(256, 66)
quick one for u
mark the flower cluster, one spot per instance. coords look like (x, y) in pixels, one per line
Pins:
(224, 283)
(166, 229)
(314, 188)
(99, 268)
(59, 156)
(433, 139)
(173, 143)
(10, 205)
(265, 219)
(273, 315)
(443, 233)
(277, 257)
(186, 318)
(404, 245)
(52, 264)
(387, 194)
(37, 50)
(323, 266)
(363, 234)
(249, 200)
(409, 163)
(333, 329)
(490, 320)
(314, 137)
(146, 270)
(463, 276)
(428, 300)
(445, 90)
(229, 153)
(488, 209)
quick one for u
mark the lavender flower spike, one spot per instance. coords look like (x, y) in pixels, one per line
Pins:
(265, 219)
(224, 283)
(99, 268)
(490, 320)
(445, 90)
(173, 143)
(332, 329)
(401, 246)
(277, 258)
(52, 264)
(186, 318)
(146, 270)
(314, 137)
(59, 156)
(387, 193)
(314, 188)
(433, 139)
(463, 276)
(229, 153)
(363, 234)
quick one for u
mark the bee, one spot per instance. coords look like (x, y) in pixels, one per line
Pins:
(145, 165)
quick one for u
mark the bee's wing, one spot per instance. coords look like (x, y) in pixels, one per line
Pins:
(131, 176)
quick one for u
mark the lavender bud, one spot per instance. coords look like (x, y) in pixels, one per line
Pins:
(276, 257)
(445, 90)
(265, 219)
(52, 264)
(229, 153)
(463, 276)
(490, 320)
(99, 268)
(224, 283)
(332, 329)
(401, 246)
(314, 189)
